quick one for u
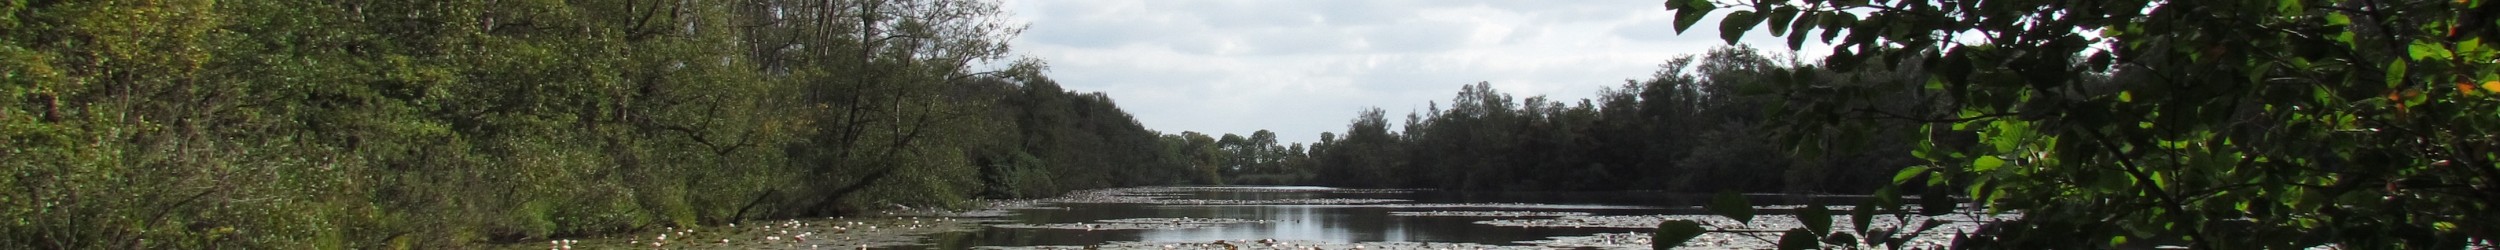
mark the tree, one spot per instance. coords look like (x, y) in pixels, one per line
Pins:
(1366, 157)
(440, 124)
(2218, 124)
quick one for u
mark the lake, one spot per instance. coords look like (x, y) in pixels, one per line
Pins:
(1155, 217)
(1289, 217)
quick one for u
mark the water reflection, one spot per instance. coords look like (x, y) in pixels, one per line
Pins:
(1194, 218)
(1333, 223)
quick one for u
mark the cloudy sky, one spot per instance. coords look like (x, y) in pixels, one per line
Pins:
(1301, 67)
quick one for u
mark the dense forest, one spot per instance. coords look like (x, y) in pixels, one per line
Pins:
(432, 124)
(1691, 127)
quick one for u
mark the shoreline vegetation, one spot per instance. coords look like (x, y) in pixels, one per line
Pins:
(444, 124)
(264, 124)
(448, 124)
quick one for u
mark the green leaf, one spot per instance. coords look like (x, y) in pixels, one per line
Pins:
(1907, 173)
(1673, 233)
(1816, 218)
(2159, 181)
(1798, 239)
(2395, 73)
(2423, 50)
(1734, 26)
(2470, 46)
(1733, 205)
(1985, 163)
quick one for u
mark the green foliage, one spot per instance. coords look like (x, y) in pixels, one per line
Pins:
(440, 124)
(2210, 124)
(1083, 141)
(1687, 128)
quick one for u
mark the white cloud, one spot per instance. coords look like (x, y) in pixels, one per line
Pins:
(1301, 67)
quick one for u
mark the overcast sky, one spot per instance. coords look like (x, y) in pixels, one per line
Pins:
(1301, 67)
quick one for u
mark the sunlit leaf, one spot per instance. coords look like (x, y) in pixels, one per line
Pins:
(1907, 173)
(2426, 50)
(1986, 163)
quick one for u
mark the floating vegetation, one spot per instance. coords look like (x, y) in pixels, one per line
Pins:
(1485, 214)
(1511, 206)
(1328, 201)
(1168, 195)
(991, 209)
(1381, 191)
(1587, 221)
(1257, 188)
(1137, 224)
(1103, 226)
(840, 232)
(1181, 220)
(1267, 244)
(1759, 234)
(1952, 221)
(1599, 241)
(1457, 206)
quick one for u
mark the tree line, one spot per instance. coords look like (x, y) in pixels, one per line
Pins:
(1692, 126)
(433, 124)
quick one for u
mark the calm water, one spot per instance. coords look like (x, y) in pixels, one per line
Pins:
(1323, 221)
(1197, 217)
